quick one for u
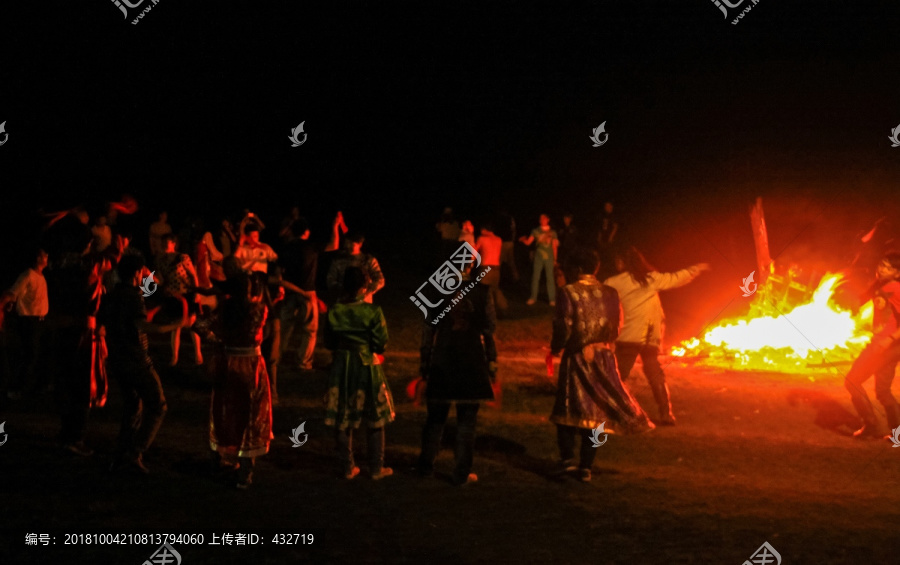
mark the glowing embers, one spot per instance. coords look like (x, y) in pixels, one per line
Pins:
(815, 334)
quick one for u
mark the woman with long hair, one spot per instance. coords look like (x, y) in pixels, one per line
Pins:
(638, 285)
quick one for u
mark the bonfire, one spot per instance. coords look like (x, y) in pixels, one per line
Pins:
(790, 327)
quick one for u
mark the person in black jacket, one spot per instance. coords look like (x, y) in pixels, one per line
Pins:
(458, 364)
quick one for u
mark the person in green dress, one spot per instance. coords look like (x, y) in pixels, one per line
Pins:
(357, 333)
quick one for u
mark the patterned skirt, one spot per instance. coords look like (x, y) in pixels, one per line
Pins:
(590, 392)
(357, 390)
(240, 416)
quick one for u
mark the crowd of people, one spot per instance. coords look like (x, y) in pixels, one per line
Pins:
(248, 298)
(259, 306)
(91, 313)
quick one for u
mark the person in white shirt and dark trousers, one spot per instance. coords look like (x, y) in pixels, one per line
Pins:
(638, 285)
(30, 296)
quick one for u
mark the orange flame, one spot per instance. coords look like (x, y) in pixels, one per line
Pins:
(816, 333)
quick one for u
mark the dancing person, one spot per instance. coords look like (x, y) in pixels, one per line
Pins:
(459, 365)
(253, 254)
(29, 293)
(881, 356)
(286, 232)
(102, 234)
(300, 309)
(125, 323)
(158, 230)
(490, 247)
(609, 227)
(544, 258)
(76, 285)
(606, 234)
(638, 285)
(449, 229)
(227, 239)
(358, 389)
(589, 391)
(240, 421)
(507, 233)
(331, 252)
(568, 242)
(352, 256)
(179, 285)
(467, 233)
(209, 268)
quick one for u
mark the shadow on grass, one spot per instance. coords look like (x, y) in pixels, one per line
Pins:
(830, 415)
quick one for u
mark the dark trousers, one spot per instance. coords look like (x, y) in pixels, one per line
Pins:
(565, 439)
(466, 418)
(881, 363)
(30, 330)
(302, 314)
(375, 437)
(626, 355)
(74, 380)
(144, 406)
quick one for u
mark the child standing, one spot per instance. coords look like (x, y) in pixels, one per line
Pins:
(358, 390)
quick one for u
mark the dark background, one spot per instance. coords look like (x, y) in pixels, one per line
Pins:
(410, 108)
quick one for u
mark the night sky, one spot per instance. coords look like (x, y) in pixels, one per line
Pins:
(410, 108)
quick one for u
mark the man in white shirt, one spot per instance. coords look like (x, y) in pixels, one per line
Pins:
(638, 285)
(30, 296)
(254, 255)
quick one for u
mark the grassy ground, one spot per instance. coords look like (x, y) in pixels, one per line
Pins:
(754, 458)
